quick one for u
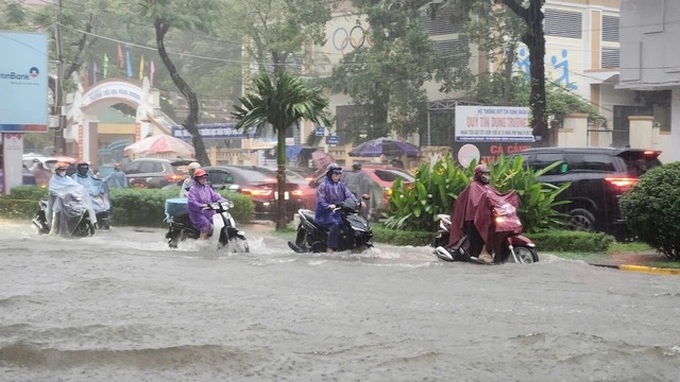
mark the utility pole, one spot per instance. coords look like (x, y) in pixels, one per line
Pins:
(59, 109)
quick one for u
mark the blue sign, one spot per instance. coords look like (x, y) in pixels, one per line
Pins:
(23, 82)
(211, 131)
(319, 131)
(332, 140)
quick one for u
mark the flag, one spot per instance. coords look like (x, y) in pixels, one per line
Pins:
(105, 66)
(120, 57)
(141, 67)
(95, 69)
(152, 70)
(128, 63)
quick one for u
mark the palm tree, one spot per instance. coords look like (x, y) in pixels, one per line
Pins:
(280, 104)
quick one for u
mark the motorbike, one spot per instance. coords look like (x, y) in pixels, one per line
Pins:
(507, 228)
(224, 229)
(355, 230)
(70, 216)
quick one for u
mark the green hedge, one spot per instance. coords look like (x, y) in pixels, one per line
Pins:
(552, 241)
(132, 207)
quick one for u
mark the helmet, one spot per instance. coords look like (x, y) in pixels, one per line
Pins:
(60, 166)
(193, 166)
(482, 173)
(200, 173)
(117, 166)
(83, 167)
(333, 168)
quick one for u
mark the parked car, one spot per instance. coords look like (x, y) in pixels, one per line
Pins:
(156, 172)
(261, 184)
(598, 176)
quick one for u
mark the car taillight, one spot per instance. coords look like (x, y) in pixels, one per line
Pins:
(297, 192)
(622, 183)
(173, 178)
(652, 153)
(257, 191)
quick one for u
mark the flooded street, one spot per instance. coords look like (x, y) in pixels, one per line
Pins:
(122, 306)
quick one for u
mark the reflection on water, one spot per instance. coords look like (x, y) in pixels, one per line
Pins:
(122, 306)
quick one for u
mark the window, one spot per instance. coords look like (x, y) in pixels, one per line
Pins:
(544, 160)
(610, 58)
(132, 168)
(220, 177)
(610, 29)
(563, 23)
(451, 47)
(447, 21)
(591, 162)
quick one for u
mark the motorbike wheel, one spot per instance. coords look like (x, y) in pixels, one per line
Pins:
(174, 237)
(526, 255)
(236, 244)
(85, 228)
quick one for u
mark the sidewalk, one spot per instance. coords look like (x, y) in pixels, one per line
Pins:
(644, 262)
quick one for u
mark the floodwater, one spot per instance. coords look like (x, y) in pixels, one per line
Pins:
(121, 306)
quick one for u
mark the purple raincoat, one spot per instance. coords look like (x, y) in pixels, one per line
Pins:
(198, 196)
(330, 193)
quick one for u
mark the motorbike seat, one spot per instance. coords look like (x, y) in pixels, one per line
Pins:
(308, 214)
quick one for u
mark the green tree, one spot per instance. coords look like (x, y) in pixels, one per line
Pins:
(282, 103)
(385, 79)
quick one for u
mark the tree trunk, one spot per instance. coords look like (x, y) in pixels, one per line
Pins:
(281, 213)
(192, 119)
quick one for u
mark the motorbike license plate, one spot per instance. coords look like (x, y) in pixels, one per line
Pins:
(286, 195)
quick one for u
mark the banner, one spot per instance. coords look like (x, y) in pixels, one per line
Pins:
(212, 131)
(23, 82)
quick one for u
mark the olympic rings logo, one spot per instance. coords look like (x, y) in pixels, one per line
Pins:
(356, 38)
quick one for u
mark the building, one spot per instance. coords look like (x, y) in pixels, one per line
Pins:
(650, 60)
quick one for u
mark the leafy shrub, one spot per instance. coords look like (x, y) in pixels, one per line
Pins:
(415, 207)
(651, 209)
(383, 234)
(131, 206)
(571, 241)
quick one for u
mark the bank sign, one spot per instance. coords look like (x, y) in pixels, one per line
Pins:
(23, 82)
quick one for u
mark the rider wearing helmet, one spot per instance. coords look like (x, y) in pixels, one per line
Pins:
(199, 196)
(83, 168)
(186, 185)
(97, 189)
(117, 179)
(329, 194)
(59, 185)
(464, 212)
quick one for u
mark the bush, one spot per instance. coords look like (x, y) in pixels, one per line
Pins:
(131, 206)
(415, 207)
(571, 241)
(383, 234)
(651, 208)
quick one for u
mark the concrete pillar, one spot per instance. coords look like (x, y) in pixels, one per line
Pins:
(640, 135)
(574, 131)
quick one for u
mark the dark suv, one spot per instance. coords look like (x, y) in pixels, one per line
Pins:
(155, 172)
(598, 176)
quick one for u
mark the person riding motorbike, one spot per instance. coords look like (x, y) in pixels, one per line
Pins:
(463, 216)
(59, 184)
(189, 181)
(117, 179)
(98, 190)
(199, 196)
(329, 194)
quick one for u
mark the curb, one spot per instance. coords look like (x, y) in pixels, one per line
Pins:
(640, 269)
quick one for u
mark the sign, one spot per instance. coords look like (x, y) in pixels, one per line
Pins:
(23, 82)
(119, 89)
(211, 131)
(493, 124)
(332, 140)
(319, 131)
(487, 152)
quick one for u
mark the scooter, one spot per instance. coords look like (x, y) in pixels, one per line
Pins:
(224, 229)
(507, 235)
(72, 218)
(355, 231)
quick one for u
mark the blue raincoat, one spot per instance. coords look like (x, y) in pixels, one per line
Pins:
(98, 190)
(330, 193)
(64, 207)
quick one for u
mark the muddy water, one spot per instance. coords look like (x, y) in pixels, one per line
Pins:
(121, 306)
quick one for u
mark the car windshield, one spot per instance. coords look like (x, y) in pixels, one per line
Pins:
(257, 174)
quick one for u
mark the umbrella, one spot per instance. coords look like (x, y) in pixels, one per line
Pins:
(160, 144)
(385, 146)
